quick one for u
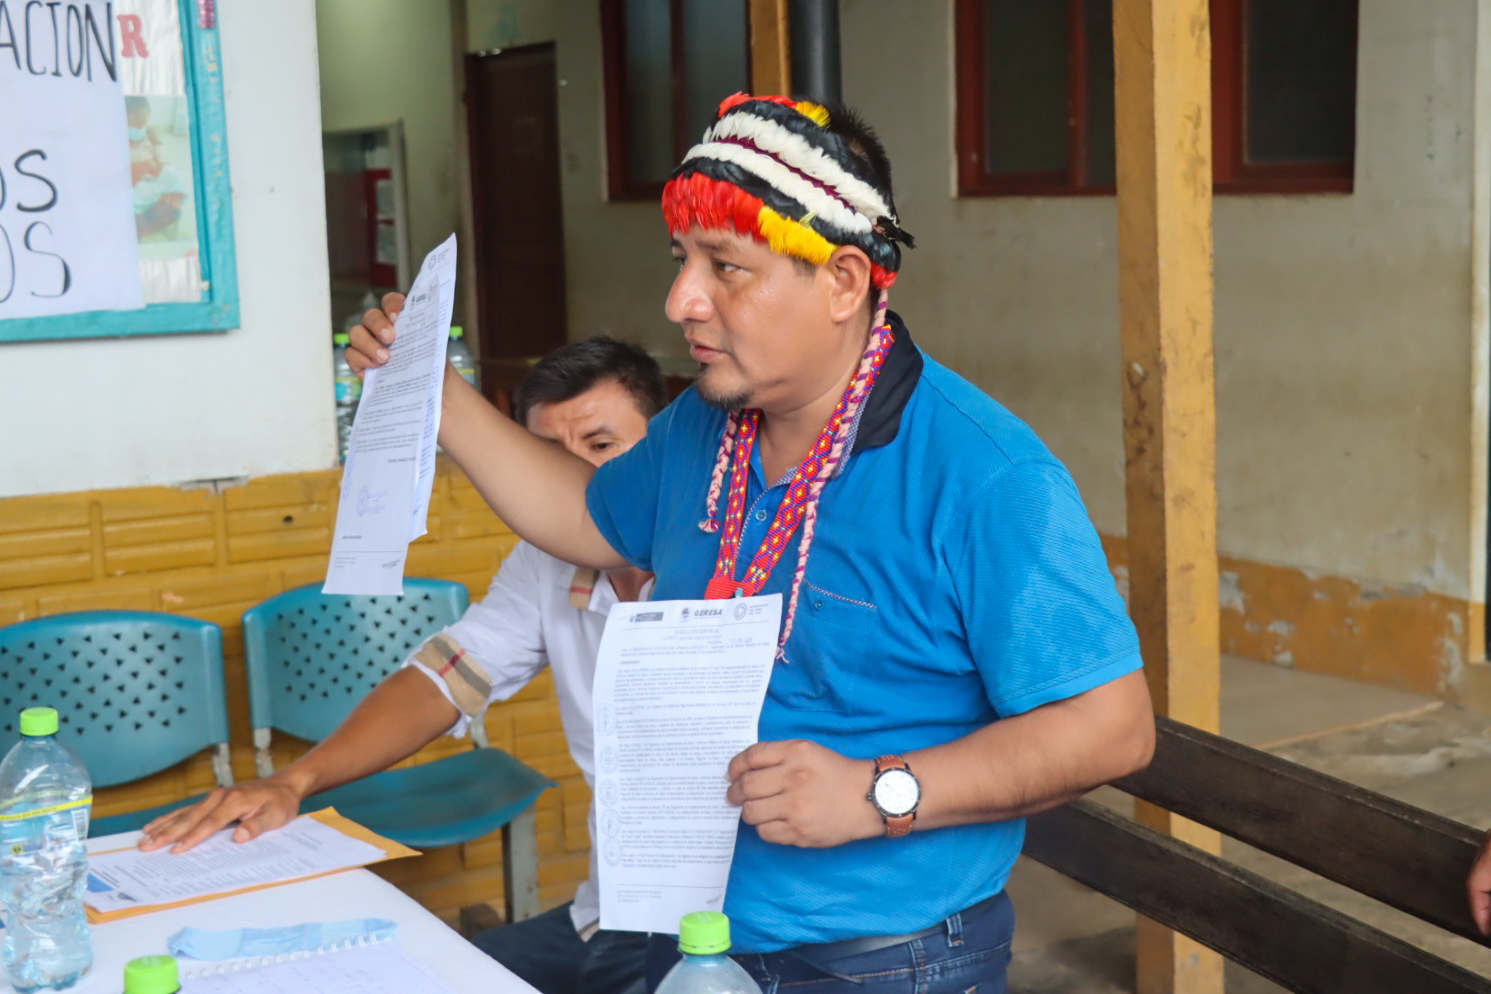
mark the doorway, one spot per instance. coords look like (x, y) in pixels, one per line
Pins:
(367, 217)
(512, 105)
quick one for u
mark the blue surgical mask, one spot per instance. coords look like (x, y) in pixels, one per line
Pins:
(136, 134)
(209, 944)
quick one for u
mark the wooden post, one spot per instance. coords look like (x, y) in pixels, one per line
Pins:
(771, 61)
(1162, 52)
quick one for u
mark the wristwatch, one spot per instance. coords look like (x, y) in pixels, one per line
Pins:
(895, 792)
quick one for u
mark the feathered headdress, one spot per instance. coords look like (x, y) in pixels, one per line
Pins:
(770, 167)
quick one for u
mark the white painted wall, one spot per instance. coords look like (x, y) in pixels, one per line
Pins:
(247, 402)
(392, 60)
(506, 23)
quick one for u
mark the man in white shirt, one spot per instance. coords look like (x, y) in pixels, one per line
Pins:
(594, 398)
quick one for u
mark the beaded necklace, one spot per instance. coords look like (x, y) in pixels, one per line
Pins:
(803, 490)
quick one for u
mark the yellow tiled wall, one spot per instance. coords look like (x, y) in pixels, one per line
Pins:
(213, 554)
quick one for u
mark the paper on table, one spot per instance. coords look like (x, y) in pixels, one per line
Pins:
(678, 692)
(390, 467)
(379, 968)
(127, 881)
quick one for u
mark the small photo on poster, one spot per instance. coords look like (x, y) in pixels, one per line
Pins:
(160, 161)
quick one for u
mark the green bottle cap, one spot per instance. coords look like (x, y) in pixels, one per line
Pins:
(152, 975)
(456, 331)
(39, 721)
(341, 338)
(703, 933)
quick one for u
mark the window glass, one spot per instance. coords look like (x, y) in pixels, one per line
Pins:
(1097, 26)
(649, 90)
(1027, 96)
(716, 60)
(1300, 96)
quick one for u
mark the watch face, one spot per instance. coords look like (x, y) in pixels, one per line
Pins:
(896, 793)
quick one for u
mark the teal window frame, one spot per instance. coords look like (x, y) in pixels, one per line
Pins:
(218, 310)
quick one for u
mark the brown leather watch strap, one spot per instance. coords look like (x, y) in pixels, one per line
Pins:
(896, 826)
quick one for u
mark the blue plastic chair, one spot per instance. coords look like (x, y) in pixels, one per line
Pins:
(312, 657)
(135, 692)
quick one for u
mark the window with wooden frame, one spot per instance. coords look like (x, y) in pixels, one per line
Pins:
(1035, 110)
(668, 64)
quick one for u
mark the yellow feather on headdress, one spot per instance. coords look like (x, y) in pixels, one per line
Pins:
(817, 112)
(793, 237)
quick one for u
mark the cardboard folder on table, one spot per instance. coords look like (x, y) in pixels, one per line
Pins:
(125, 882)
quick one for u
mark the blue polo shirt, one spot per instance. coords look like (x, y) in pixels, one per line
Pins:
(954, 580)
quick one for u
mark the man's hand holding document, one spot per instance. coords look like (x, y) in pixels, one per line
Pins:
(391, 456)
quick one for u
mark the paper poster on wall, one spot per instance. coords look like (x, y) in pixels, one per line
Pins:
(151, 62)
(153, 71)
(67, 227)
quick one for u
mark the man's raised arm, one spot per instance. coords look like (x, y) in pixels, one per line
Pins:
(535, 486)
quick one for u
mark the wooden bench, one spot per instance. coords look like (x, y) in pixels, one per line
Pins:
(1408, 858)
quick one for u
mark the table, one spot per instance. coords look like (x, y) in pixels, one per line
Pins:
(348, 894)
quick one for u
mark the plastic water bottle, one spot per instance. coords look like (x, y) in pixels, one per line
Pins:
(703, 938)
(45, 797)
(459, 354)
(369, 301)
(348, 392)
(152, 975)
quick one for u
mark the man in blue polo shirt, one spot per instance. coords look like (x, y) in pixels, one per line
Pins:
(953, 655)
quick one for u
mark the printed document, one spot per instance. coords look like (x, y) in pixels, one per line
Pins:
(127, 879)
(390, 467)
(678, 693)
(380, 968)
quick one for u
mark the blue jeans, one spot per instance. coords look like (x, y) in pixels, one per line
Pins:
(969, 955)
(547, 953)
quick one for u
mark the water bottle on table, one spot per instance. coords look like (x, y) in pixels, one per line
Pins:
(704, 938)
(152, 975)
(348, 391)
(459, 354)
(45, 798)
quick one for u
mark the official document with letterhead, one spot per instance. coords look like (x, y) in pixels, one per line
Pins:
(390, 467)
(678, 693)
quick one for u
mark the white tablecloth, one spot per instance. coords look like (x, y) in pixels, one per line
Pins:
(349, 894)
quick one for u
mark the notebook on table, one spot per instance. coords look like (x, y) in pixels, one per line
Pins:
(371, 968)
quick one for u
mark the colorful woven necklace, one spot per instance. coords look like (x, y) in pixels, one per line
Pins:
(816, 467)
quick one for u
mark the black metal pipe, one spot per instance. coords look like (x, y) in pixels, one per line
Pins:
(814, 28)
